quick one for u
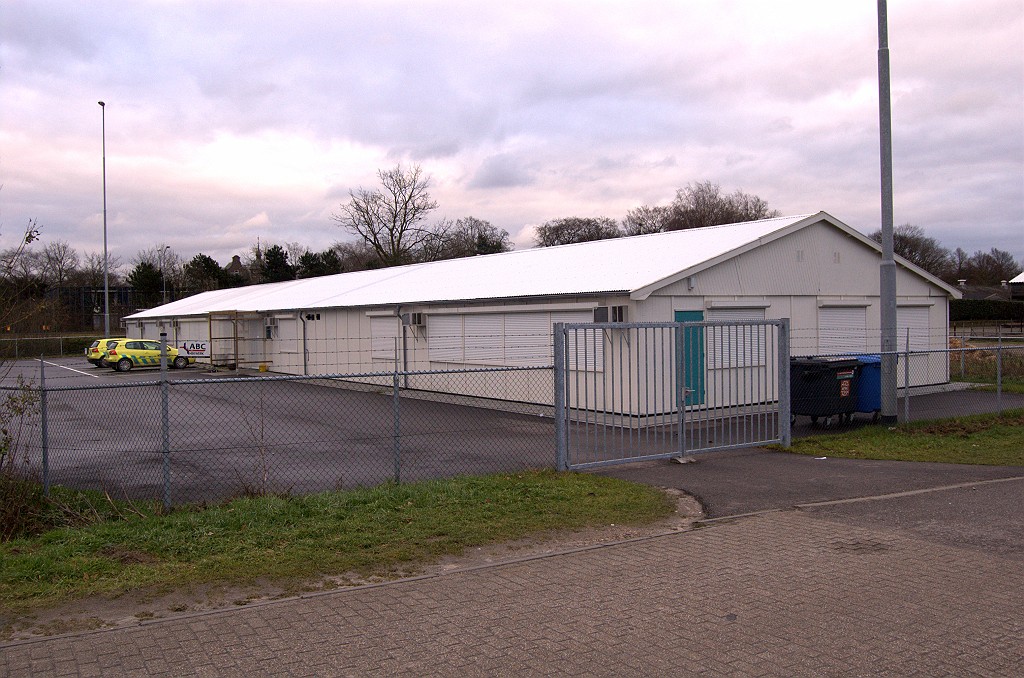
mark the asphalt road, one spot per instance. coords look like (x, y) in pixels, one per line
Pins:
(976, 507)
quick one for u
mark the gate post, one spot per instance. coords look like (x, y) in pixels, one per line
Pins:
(785, 402)
(681, 384)
(560, 376)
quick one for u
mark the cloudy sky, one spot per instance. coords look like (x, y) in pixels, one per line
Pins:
(232, 121)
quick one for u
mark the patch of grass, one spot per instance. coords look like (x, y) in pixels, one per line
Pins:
(1010, 385)
(986, 439)
(372, 532)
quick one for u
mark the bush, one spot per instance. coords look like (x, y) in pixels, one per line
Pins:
(22, 506)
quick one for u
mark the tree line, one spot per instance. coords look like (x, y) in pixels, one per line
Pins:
(985, 269)
(393, 224)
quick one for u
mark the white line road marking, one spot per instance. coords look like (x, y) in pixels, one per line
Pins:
(65, 367)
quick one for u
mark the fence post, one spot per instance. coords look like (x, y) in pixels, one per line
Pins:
(561, 424)
(165, 424)
(906, 381)
(396, 434)
(999, 373)
(44, 426)
(785, 409)
(963, 361)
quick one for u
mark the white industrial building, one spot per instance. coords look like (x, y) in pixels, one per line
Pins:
(499, 310)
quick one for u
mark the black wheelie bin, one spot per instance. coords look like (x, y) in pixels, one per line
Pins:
(823, 388)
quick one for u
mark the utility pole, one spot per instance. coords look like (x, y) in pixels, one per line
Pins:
(887, 270)
(106, 276)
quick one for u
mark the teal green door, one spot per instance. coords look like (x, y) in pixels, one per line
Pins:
(693, 356)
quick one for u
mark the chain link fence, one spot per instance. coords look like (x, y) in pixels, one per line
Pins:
(984, 375)
(15, 348)
(206, 440)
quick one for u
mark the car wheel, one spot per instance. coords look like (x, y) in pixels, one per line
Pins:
(101, 363)
(123, 365)
(180, 363)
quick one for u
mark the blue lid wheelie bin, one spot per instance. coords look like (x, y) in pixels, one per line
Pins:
(869, 390)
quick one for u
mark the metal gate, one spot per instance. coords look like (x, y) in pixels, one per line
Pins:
(627, 392)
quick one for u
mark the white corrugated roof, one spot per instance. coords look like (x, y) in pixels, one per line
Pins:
(620, 265)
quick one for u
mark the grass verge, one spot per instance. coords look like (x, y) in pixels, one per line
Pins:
(981, 439)
(377, 531)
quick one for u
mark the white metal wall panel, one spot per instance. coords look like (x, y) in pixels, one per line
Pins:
(288, 335)
(842, 329)
(444, 338)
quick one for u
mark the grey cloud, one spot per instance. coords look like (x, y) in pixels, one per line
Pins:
(500, 171)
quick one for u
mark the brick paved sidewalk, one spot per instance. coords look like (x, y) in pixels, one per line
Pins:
(787, 593)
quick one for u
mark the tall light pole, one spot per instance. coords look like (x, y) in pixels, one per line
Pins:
(163, 275)
(106, 275)
(887, 270)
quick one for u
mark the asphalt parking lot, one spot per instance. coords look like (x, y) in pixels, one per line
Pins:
(231, 436)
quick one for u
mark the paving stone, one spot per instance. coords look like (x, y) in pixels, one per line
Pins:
(784, 593)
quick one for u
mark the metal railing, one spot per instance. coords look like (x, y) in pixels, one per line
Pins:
(640, 391)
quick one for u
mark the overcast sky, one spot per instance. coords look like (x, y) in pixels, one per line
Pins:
(228, 121)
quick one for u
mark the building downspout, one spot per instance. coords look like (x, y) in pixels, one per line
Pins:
(405, 347)
(305, 359)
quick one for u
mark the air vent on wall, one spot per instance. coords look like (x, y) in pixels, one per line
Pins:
(270, 322)
(413, 319)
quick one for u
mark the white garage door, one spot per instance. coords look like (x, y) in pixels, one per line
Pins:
(842, 329)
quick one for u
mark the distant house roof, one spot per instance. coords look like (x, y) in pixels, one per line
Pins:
(635, 265)
(1018, 279)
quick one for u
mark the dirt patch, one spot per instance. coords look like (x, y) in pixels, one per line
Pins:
(101, 612)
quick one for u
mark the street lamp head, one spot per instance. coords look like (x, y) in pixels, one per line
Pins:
(101, 103)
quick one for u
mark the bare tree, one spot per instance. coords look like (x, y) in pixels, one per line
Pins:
(576, 229)
(91, 272)
(646, 219)
(392, 219)
(18, 278)
(702, 204)
(911, 243)
(468, 237)
(60, 262)
(991, 268)
(355, 256)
